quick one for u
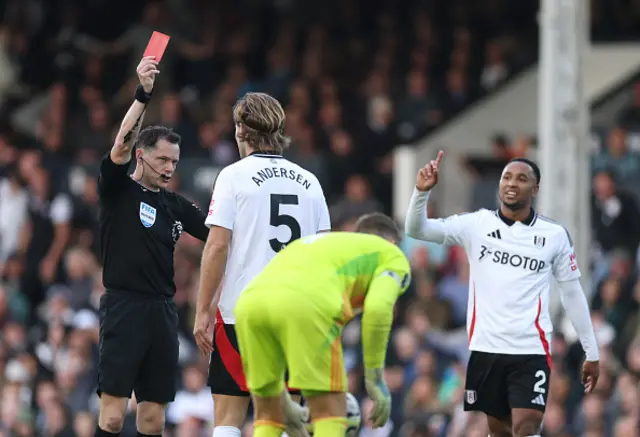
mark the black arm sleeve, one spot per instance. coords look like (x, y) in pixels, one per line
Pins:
(112, 178)
(192, 218)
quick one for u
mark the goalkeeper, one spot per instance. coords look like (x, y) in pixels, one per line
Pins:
(291, 317)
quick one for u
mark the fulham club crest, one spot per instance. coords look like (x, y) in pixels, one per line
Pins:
(539, 242)
(470, 396)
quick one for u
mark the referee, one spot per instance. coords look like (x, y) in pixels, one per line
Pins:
(140, 223)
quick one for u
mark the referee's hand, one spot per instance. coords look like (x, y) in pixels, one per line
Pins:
(203, 332)
(147, 71)
(590, 375)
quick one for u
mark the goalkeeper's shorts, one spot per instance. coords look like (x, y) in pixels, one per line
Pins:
(279, 330)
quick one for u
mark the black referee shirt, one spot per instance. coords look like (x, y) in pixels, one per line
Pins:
(139, 229)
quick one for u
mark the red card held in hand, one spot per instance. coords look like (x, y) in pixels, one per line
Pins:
(157, 45)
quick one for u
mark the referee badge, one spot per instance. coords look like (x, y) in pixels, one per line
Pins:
(147, 215)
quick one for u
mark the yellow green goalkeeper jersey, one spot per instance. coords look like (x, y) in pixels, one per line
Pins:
(346, 273)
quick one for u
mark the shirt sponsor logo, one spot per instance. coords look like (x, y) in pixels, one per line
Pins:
(511, 259)
(147, 215)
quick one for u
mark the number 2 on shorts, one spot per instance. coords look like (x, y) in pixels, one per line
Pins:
(541, 378)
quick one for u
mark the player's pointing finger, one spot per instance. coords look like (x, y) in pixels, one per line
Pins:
(439, 157)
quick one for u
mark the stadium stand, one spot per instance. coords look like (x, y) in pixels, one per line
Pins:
(356, 78)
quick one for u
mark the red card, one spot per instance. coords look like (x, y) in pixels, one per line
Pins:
(157, 45)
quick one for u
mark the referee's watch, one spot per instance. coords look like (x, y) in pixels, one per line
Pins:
(142, 96)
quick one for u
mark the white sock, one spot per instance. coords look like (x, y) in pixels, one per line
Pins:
(226, 431)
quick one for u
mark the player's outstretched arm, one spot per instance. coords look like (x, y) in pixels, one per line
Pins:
(417, 225)
(132, 122)
(576, 306)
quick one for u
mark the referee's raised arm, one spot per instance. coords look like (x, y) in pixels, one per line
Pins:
(113, 171)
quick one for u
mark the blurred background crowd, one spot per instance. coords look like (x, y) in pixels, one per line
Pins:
(356, 79)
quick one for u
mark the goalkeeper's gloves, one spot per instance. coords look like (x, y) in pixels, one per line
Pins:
(379, 393)
(294, 416)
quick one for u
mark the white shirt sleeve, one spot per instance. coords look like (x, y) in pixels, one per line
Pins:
(453, 230)
(565, 264)
(222, 209)
(61, 210)
(575, 305)
(324, 224)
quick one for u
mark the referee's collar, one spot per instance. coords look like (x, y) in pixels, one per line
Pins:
(529, 221)
(265, 154)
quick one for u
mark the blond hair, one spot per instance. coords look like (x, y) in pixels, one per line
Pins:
(264, 118)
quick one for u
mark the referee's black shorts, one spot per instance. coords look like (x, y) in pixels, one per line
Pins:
(138, 347)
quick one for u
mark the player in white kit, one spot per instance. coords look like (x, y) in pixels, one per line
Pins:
(513, 252)
(259, 205)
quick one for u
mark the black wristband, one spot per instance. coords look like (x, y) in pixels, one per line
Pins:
(142, 96)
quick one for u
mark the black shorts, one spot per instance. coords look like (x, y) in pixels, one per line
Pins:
(138, 348)
(226, 376)
(497, 383)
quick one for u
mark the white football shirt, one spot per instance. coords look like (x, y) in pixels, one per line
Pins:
(511, 266)
(267, 202)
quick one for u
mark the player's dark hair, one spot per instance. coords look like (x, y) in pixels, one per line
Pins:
(530, 163)
(149, 136)
(378, 224)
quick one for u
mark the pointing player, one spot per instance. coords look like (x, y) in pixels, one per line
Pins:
(259, 205)
(319, 283)
(512, 252)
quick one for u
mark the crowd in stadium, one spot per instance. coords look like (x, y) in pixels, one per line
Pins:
(356, 79)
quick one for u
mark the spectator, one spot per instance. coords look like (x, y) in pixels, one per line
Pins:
(454, 289)
(418, 110)
(13, 211)
(614, 215)
(617, 157)
(47, 233)
(629, 117)
(496, 69)
(356, 201)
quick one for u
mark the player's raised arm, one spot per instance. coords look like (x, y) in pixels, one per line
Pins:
(417, 225)
(574, 301)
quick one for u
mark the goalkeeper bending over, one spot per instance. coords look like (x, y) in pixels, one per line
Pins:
(291, 317)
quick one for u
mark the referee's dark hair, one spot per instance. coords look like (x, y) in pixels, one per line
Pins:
(530, 163)
(378, 224)
(149, 136)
